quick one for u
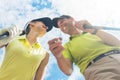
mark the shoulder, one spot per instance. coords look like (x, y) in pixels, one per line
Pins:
(15, 41)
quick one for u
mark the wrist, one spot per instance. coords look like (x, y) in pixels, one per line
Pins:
(94, 31)
(59, 57)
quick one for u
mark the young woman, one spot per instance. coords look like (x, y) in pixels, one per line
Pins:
(25, 58)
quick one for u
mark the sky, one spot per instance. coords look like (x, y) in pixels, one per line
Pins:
(97, 12)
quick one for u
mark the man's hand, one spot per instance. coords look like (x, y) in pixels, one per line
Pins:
(55, 45)
(80, 25)
(66, 65)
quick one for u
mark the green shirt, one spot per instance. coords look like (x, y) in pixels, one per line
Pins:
(21, 60)
(82, 49)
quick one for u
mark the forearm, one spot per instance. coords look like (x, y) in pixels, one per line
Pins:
(40, 75)
(42, 68)
(108, 38)
(55, 45)
(65, 65)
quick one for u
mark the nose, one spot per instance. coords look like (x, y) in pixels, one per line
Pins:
(60, 23)
(45, 27)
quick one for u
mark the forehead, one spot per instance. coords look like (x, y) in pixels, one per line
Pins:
(62, 19)
(39, 22)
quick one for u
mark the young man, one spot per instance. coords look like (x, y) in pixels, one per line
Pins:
(94, 51)
(25, 58)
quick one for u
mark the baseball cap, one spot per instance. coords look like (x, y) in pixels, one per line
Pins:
(55, 20)
(46, 20)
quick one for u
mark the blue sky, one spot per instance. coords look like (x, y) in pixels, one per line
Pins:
(97, 12)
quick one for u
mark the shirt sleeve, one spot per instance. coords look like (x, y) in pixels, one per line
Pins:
(66, 53)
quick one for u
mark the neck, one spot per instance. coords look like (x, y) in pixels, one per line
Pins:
(32, 38)
(75, 31)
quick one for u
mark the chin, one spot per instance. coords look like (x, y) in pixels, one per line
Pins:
(41, 35)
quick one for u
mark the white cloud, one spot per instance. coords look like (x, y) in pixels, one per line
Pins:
(19, 12)
(1, 55)
(100, 12)
(96, 11)
(76, 74)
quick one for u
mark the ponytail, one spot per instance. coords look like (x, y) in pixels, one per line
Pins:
(26, 29)
(23, 33)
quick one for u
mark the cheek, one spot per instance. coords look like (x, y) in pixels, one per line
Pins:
(42, 33)
(69, 23)
(63, 29)
(40, 29)
(37, 28)
(61, 23)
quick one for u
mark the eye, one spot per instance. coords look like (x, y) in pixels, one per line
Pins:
(44, 26)
(61, 21)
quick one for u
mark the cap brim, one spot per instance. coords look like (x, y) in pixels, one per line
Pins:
(47, 21)
(55, 22)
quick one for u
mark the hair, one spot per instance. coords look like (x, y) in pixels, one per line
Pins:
(26, 30)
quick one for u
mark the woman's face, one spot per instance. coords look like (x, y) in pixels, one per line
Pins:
(39, 27)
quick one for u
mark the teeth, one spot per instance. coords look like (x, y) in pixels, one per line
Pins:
(57, 41)
(73, 23)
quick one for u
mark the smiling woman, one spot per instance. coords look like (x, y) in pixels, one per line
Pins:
(25, 57)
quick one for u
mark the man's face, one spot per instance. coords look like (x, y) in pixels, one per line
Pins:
(66, 25)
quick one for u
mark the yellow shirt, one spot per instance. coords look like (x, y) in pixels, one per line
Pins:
(84, 48)
(21, 60)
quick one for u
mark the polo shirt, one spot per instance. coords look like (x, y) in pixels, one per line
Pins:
(21, 60)
(83, 48)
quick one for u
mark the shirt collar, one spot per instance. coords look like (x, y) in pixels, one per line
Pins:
(73, 36)
(23, 37)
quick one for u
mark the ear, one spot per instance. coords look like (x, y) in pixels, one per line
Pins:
(32, 24)
(72, 18)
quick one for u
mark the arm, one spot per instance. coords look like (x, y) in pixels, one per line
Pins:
(107, 38)
(65, 65)
(2, 38)
(56, 48)
(41, 69)
(13, 32)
